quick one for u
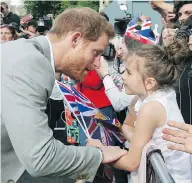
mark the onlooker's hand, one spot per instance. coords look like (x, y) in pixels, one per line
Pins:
(161, 5)
(112, 153)
(164, 9)
(94, 142)
(170, 16)
(183, 139)
(170, 19)
(30, 34)
(168, 35)
(153, 6)
(103, 69)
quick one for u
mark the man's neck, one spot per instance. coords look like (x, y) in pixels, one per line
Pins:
(54, 42)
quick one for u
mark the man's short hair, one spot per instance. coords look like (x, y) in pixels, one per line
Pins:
(104, 15)
(4, 4)
(179, 4)
(85, 20)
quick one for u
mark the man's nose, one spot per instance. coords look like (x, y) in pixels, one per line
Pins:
(97, 62)
(182, 18)
(2, 35)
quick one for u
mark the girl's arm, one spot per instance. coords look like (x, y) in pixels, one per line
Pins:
(119, 99)
(128, 127)
(150, 116)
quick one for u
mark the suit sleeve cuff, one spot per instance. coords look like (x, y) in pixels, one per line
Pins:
(101, 156)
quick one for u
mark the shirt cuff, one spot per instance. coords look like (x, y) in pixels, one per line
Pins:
(108, 83)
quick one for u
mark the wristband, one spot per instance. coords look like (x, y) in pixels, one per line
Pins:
(105, 76)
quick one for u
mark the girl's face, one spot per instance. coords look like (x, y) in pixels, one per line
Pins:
(133, 78)
(6, 34)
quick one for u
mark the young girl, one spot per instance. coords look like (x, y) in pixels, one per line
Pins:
(151, 73)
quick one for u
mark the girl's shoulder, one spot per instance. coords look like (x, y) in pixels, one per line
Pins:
(162, 97)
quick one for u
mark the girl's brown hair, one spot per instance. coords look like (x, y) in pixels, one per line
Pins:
(132, 44)
(164, 64)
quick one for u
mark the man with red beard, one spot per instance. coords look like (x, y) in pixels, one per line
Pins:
(73, 47)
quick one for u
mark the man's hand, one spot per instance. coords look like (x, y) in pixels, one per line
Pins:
(103, 69)
(110, 153)
(183, 139)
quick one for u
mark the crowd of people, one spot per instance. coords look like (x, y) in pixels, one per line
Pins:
(13, 27)
(145, 82)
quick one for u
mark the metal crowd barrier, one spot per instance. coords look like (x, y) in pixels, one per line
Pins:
(160, 169)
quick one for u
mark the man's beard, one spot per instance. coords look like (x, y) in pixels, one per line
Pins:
(74, 67)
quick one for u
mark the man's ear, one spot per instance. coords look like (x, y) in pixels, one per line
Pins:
(150, 84)
(76, 39)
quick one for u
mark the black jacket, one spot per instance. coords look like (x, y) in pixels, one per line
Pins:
(11, 18)
(184, 93)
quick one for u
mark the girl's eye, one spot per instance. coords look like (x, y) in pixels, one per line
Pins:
(188, 12)
(122, 72)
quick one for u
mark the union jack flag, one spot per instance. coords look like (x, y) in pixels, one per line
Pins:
(69, 97)
(113, 122)
(86, 107)
(98, 131)
(107, 133)
(140, 30)
(144, 26)
(78, 103)
(105, 130)
(114, 129)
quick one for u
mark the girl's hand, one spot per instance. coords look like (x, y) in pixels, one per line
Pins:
(103, 69)
(94, 143)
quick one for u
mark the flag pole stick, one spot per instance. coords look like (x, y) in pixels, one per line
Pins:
(87, 135)
(85, 125)
(82, 117)
(71, 109)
